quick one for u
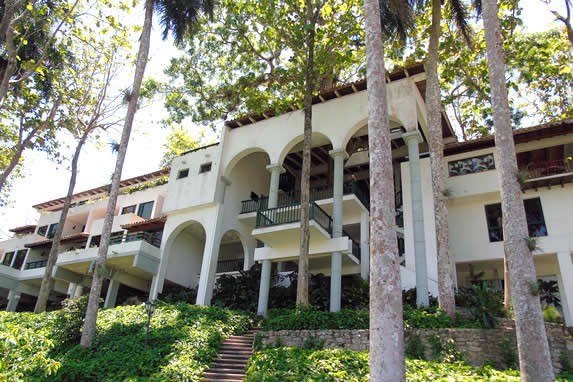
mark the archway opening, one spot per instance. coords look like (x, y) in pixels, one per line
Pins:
(185, 253)
(231, 258)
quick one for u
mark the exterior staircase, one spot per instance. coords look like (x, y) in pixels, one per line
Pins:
(233, 356)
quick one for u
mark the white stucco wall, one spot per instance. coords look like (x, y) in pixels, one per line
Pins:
(185, 260)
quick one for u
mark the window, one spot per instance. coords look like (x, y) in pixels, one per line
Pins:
(206, 167)
(145, 210)
(42, 230)
(95, 240)
(8, 258)
(183, 173)
(533, 212)
(128, 210)
(20, 256)
(52, 230)
(471, 165)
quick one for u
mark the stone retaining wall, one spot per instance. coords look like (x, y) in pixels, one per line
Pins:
(479, 346)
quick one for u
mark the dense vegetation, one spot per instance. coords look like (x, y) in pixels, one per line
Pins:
(183, 339)
(291, 364)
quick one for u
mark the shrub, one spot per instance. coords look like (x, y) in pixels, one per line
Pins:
(308, 318)
(69, 320)
(409, 298)
(426, 318)
(483, 302)
(551, 314)
(415, 348)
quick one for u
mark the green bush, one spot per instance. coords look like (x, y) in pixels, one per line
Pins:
(183, 340)
(292, 364)
(69, 320)
(426, 318)
(484, 303)
(551, 314)
(414, 347)
(306, 318)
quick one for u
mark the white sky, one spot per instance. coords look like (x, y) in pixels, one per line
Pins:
(44, 180)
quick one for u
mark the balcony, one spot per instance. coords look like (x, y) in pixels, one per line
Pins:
(291, 214)
(36, 264)
(547, 173)
(230, 266)
(293, 197)
(149, 237)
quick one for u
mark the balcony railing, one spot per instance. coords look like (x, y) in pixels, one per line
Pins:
(149, 237)
(36, 264)
(233, 265)
(548, 168)
(293, 197)
(291, 214)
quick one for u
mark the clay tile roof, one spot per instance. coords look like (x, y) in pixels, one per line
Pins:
(23, 229)
(101, 189)
(325, 95)
(74, 238)
(145, 224)
(527, 134)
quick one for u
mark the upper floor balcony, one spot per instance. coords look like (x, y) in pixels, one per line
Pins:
(546, 173)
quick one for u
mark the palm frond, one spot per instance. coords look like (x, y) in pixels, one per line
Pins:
(460, 14)
(397, 17)
(180, 17)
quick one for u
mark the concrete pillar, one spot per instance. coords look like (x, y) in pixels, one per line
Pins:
(365, 245)
(412, 139)
(276, 170)
(79, 291)
(13, 300)
(565, 284)
(264, 288)
(111, 296)
(339, 156)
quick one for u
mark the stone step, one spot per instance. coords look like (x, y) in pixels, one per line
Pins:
(222, 374)
(236, 348)
(232, 359)
(229, 365)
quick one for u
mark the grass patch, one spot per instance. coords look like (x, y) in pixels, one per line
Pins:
(183, 339)
(292, 364)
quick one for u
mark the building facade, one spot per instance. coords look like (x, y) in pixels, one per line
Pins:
(229, 205)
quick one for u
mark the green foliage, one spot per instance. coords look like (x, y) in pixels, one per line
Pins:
(145, 185)
(174, 294)
(409, 298)
(313, 343)
(307, 318)
(183, 340)
(444, 350)
(483, 302)
(414, 347)
(551, 314)
(548, 292)
(426, 318)
(69, 320)
(509, 354)
(178, 142)
(292, 364)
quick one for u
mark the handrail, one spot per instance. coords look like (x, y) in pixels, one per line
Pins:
(148, 237)
(355, 245)
(548, 168)
(232, 265)
(36, 264)
(293, 197)
(291, 214)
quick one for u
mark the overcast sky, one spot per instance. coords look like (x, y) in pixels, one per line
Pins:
(44, 180)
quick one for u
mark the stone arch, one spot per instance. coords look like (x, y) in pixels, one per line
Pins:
(239, 156)
(229, 260)
(318, 139)
(363, 123)
(183, 253)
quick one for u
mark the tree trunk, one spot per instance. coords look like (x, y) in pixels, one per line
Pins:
(89, 327)
(47, 280)
(446, 294)
(386, 322)
(303, 276)
(11, 166)
(506, 285)
(534, 357)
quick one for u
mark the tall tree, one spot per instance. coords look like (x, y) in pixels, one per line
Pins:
(386, 320)
(565, 19)
(446, 291)
(177, 17)
(534, 357)
(85, 82)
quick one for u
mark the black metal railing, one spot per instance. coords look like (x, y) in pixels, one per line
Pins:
(233, 265)
(398, 202)
(291, 214)
(152, 238)
(355, 249)
(286, 199)
(36, 264)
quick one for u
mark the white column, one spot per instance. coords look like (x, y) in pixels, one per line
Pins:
(79, 291)
(565, 284)
(13, 300)
(111, 296)
(412, 139)
(276, 170)
(264, 288)
(337, 216)
(365, 245)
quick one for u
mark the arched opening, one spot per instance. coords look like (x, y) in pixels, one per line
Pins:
(185, 253)
(232, 253)
(249, 184)
(321, 168)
